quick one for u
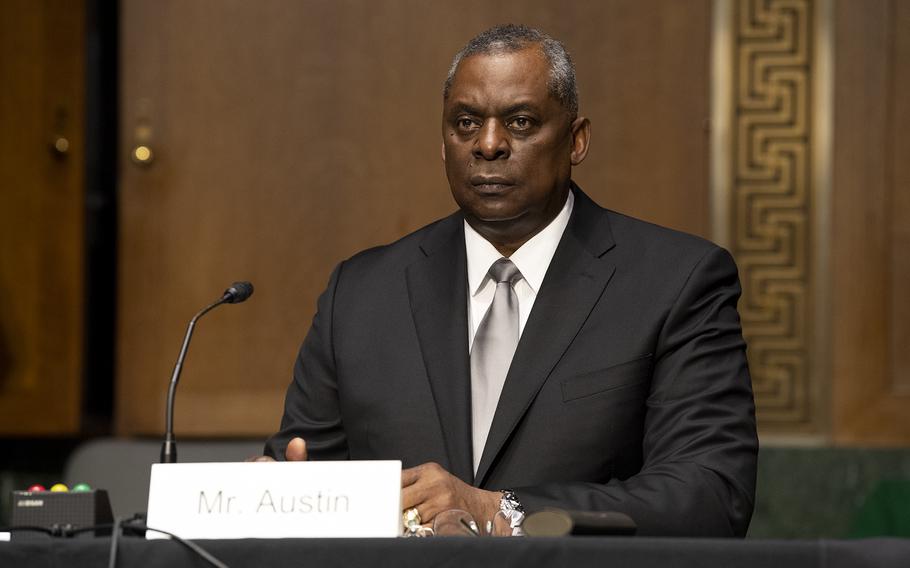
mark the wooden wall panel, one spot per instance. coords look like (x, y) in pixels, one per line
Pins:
(288, 135)
(767, 206)
(41, 216)
(899, 197)
(811, 182)
(870, 247)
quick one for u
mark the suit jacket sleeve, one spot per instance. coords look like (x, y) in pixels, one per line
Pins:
(699, 446)
(312, 407)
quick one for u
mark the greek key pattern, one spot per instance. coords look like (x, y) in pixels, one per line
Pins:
(770, 221)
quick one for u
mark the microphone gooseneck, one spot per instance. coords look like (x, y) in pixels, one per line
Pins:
(236, 293)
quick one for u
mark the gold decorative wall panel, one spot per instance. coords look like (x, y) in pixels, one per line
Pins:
(765, 206)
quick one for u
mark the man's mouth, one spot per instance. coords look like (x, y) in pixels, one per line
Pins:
(491, 184)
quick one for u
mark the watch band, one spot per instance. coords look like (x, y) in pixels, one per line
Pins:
(511, 507)
(510, 502)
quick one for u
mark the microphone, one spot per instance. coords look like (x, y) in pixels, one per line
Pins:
(235, 293)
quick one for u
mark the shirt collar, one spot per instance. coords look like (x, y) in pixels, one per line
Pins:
(532, 258)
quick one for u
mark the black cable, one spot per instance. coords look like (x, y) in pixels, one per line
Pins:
(204, 554)
(134, 523)
(64, 531)
(27, 528)
(69, 531)
(74, 531)
(115, 540)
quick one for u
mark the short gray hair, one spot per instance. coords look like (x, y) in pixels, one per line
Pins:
(509, 38)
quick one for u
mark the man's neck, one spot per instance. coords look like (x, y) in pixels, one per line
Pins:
(506, 236)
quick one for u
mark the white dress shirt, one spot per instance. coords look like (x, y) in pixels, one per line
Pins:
(532, 259)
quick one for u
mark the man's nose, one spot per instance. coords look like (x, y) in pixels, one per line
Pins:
(492, 141)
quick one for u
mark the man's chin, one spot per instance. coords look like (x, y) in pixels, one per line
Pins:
(497, 218)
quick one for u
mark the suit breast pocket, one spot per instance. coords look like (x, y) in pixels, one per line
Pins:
(625, 374)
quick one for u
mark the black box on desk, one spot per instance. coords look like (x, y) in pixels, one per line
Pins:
(55, 510)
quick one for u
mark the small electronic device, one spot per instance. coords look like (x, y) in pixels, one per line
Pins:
(62, 511)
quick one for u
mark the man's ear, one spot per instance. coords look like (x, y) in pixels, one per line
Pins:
(581, 137)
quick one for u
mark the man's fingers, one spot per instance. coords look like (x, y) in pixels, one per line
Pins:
(427, 504)
(431, 471)
(296, 450)
(425, 488)
(260, 459)
(413, 495)
(410, 476)
(409, 499)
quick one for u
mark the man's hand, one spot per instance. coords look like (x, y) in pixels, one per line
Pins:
(295, 452)
(432, 490)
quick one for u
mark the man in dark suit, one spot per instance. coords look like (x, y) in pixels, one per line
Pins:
(628, 389)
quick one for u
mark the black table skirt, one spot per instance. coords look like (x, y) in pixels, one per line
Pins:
(500, 553)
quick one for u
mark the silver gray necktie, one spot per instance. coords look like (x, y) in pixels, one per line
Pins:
(492, 351)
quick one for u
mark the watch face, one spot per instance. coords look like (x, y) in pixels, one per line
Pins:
(510, 502)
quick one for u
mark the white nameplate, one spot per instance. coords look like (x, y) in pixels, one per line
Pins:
(276, 499)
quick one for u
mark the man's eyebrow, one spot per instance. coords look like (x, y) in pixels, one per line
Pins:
(464, 108)
(520, 107)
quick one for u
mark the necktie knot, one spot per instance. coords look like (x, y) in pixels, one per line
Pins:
(504, 270)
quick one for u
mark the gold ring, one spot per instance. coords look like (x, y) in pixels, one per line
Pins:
(411, 519)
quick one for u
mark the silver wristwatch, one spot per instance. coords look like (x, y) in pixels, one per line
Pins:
(511, 507)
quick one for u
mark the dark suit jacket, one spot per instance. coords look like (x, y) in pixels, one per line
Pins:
(629, 390)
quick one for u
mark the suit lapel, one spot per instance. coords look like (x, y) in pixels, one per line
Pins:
(574, 282)
(437, 289)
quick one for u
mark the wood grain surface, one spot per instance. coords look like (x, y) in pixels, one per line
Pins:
(41, 216)
(289, 135)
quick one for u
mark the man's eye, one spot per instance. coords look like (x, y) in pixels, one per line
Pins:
(520, 123)
(465, 123)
